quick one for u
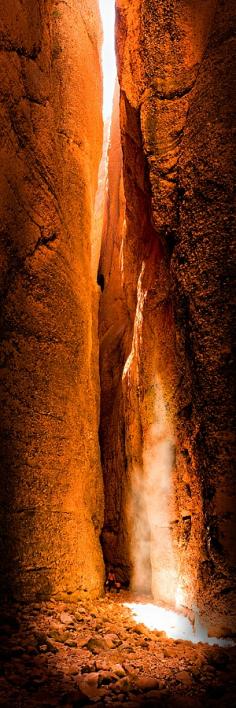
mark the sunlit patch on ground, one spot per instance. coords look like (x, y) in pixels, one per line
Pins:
(174, 624)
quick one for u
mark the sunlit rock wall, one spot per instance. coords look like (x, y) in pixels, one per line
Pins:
(50, 145)
(176, 72)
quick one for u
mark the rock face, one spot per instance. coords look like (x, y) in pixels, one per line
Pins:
(115, 335)
(50, 144)
(165, 322)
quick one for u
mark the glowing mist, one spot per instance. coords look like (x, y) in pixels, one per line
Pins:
(152, 508)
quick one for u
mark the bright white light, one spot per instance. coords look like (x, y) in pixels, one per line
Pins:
(107, 9)
(175, 625)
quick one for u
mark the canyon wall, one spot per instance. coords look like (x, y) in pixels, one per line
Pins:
(51, 495)
(115, 335)
(165, 315)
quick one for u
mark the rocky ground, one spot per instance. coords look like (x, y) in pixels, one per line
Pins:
(55, 654)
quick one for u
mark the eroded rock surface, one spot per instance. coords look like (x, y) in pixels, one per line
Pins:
(50, 146)
(167, 362)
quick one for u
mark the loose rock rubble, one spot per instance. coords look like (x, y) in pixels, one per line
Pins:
(54, 654)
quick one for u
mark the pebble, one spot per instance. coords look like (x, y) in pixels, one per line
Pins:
(105, 678)
(184, 677)
(118, 670)
(112, 640)
(96, 645)
(140, 629)
(88, 668)
(123, 685)
(169, 652)
(89, 686)
(89, 680)
(146, 683)
(66, 618)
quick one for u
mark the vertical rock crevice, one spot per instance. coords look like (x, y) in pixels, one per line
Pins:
(166, 358)
(114, 336)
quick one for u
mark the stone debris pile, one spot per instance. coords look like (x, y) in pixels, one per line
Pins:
(55, 654)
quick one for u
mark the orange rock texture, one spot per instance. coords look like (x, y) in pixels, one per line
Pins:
(165, 315)
(51, 496)
(115, 335)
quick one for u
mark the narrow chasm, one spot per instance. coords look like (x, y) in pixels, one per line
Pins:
(117, 496)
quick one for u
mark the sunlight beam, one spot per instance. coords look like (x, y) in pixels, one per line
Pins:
(107, 10)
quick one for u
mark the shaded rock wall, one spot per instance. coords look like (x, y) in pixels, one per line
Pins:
(51, 497)
(172, 374)
(115, 339)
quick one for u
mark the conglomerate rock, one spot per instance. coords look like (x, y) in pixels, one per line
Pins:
(166, 347)
(50, 144)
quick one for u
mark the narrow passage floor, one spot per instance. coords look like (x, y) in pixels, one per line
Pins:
(72, 655)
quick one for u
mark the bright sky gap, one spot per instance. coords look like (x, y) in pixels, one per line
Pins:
(107, 9)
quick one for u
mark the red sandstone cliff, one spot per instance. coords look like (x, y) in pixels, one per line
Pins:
(170, 379)
(50, 145)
